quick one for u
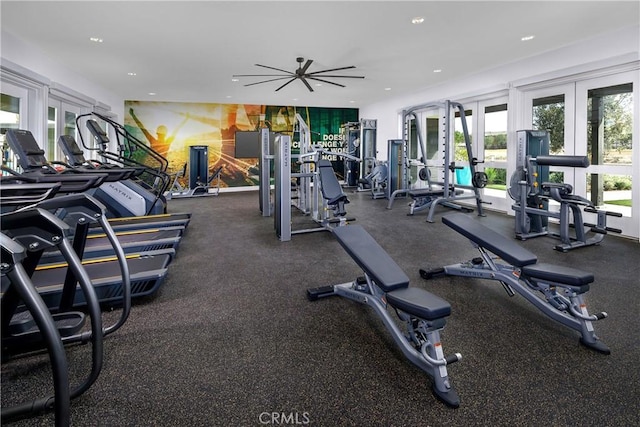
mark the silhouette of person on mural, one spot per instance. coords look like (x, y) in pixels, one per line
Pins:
(161, 143)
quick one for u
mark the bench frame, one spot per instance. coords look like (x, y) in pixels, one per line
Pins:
(562, 302)
(421, 342)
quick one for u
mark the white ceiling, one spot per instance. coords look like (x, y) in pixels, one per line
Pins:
(189, 50)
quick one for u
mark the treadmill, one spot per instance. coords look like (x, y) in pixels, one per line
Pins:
(97, 244)
(75, 158)
(54, 282)
(35, 165)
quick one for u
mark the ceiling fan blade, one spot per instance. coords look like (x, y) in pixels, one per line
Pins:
(325, 81)
(306, 66)
(286, 83)
(306, 84)
(261, 75)
(273, 68)
(338, 77)
(266, 81)
(334, 69)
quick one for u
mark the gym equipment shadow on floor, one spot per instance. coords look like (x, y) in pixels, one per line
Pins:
(231, 339)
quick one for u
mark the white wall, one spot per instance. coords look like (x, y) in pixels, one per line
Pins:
(607, 50)
(37, 61)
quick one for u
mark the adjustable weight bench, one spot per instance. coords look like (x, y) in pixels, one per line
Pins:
(555, 290)
(384, 283)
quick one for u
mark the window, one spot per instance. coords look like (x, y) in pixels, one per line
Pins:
(548, 114)
(609, 130)
(9, 119)
(495, 145)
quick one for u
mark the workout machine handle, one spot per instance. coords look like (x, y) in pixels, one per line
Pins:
(591, 317)
(453, 166)
(453, 358)
(570, 161)
(608, 213)
(439, 362)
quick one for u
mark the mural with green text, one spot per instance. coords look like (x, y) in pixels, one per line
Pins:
(170, 128)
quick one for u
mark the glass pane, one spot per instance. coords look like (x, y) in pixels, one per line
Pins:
(495, 133)
(459, 142)
(548, 114)
(9, 119)
(51, 133)
(70, 123)
(612, 192)
(496, 178)
(610, 125)
(433, 125)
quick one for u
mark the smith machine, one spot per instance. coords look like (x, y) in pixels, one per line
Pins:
(445, 192)
(318, 192)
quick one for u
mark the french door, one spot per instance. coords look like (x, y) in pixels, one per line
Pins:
(607, 128)
(61, 120)
(14, 107)
(594, 118)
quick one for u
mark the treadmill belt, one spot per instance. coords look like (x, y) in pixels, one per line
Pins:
(99, 246)
(147, 273)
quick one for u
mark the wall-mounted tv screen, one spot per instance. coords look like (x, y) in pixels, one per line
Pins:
(248, 144)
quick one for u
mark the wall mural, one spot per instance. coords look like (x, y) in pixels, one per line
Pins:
(170, 128)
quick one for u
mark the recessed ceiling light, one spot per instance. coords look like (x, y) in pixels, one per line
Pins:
(295, 99)
(527, 38)
(417, 20)
(228, 96)
(96, 39)
(152, 93)
(352, 102)
(131, 74)
(235, 80)
(387, 88)
(318, 84)
(437, 70)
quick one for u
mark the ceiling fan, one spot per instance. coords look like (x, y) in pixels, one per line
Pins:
(301, 73)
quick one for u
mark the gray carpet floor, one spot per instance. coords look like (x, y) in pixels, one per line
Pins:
(230, 339)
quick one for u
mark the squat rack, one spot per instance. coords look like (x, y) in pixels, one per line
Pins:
(446, 195)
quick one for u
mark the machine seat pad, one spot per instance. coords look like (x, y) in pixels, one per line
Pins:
(559, 274)
(419, 303)
(498, 244)
(331, 189)
(370, 256)
(578, 200)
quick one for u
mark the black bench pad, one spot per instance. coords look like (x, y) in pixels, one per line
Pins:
(501, 246)
(419, 303)
(425, 192)
(370, 256)
(559, 274)
(331, 189)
